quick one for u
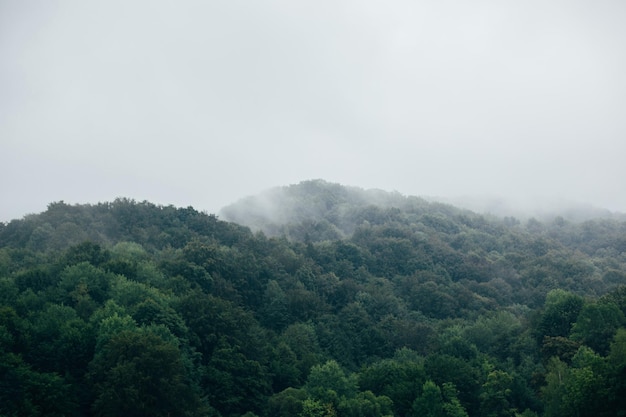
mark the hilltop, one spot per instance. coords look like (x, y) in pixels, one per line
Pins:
(322, 210)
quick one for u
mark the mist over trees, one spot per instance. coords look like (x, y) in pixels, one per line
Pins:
(338, 302)
(337, 210)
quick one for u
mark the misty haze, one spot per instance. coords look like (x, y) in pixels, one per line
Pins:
(313, 209)
(202, 104)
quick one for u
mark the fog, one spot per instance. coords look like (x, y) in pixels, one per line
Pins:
(202, 103)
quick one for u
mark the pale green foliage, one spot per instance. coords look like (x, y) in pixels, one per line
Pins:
(495, 396)
(573, 390)
(366, 404)
(554, 390)
(452, 406)
(438, 402)
(494, 333)
(127, 293)
(315, 408)
(112, 325)
(129, 251)
(430, 402)
(329, 383)
(526, 413)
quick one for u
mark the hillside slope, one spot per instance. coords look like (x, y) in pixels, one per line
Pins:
(375, 304)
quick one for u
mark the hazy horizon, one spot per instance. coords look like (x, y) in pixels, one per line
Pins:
(202, 104)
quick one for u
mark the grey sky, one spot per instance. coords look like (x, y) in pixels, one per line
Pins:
(201, 103)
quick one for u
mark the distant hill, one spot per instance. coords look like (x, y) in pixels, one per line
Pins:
(319, 210)
(542, 209)
(326, 210)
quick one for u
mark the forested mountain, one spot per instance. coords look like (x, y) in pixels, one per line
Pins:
(341, 302)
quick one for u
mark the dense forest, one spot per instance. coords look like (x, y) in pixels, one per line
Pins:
(322, 300)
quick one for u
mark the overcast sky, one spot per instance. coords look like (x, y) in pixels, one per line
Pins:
(204, 102)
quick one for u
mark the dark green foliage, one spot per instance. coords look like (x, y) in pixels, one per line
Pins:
(214, 321)
(59, 341)
(617, 373)
(137, 373)
(370, 304)
(400, 380)
(26, 392)
(596, 325)
(36, 279)
(234, 383)
(86, 252)
(560, 347)
(560, 312)
(435, 402)
(465, 377)
(287, 403)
